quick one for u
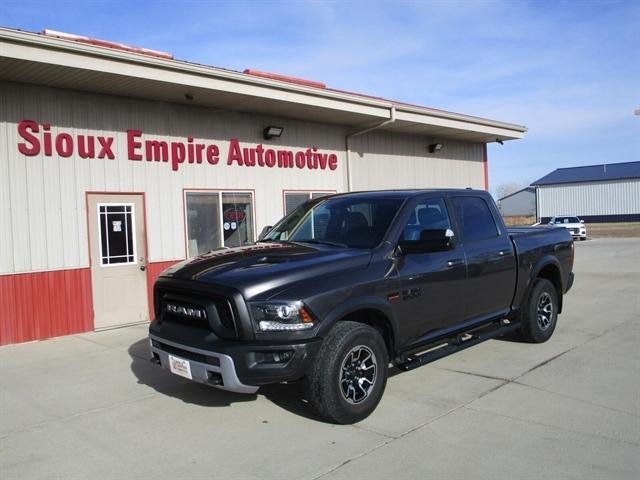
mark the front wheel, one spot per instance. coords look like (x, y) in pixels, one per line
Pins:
(348, 376)
(539, 315)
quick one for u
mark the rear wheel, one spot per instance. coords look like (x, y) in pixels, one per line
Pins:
(539, 316)
(347, 379)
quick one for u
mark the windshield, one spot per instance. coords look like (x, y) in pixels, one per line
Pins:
(567, 220)
(339, 221)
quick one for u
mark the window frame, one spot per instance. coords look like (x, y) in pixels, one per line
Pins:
(133, 230)
(460, 224)
(309, 193)
(218, 192)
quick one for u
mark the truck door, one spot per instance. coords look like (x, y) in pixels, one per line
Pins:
(491, 262)
(432, 283)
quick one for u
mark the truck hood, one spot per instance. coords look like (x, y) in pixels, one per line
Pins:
(260, 270)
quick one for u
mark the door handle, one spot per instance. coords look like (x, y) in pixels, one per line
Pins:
(143, 264)
(455, 262)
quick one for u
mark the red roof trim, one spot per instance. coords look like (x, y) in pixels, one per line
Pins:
(285, 78)
(105, 43)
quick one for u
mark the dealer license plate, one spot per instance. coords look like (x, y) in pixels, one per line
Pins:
(180, 367)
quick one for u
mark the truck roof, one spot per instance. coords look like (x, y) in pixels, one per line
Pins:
(406, 193)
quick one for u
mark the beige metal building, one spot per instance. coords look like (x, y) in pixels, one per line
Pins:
(116, 162)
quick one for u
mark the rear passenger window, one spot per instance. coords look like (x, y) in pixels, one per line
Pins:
(428, 215)
(475, 218)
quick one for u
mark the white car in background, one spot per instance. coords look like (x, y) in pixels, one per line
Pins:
(575, 226)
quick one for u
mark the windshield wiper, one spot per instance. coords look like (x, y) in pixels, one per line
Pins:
(323, 242)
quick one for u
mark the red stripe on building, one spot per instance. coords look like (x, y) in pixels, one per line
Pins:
(42, 305)
(153, 271)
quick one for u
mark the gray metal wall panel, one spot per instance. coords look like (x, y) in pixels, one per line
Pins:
(393, 160)
(43, 209)
(519, 204)
(597, 198)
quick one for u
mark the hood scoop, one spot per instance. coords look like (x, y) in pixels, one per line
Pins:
(267, 260)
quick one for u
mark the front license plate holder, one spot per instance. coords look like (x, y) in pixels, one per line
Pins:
(180, 366)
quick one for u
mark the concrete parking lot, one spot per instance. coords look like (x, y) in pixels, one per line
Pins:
(93, 406)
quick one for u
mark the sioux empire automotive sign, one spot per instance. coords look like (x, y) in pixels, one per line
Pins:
(39, 139)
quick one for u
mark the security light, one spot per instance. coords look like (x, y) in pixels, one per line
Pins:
(499, 141)
(271, 132)
(435, 147)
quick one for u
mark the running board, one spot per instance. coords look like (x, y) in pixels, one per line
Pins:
(457, 343)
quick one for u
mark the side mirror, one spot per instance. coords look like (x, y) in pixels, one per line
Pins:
(264, 231)
(430, 241)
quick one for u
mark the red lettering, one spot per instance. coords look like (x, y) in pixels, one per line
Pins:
(156, 151)
(300, 160)
(86, 149)
(132, 144)
(309, 158)
(105, 144)
(64, 145)
(47, 139)
(333, 161)
(260, 152)
(322, 159)
(249, 157)
(213, 154)
(178, 152)
(23, 130)
(235, 154)
(270, 158)
(285, 159)
(190, 153)
(199, 149)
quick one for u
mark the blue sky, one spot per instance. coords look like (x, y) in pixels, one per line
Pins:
(569, 71)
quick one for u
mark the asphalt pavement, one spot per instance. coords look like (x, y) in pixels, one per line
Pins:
(92, 406)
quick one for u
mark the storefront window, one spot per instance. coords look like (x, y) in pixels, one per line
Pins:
(293, 200)
(237, 219)
(203, 222)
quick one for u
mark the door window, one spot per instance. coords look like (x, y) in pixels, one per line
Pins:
(117, 243)
(475, 218)
(428, 215)
(203, 222)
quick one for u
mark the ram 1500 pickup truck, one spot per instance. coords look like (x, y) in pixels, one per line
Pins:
(350, 284)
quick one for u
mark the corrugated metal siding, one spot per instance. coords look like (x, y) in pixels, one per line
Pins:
(590, 199)
(45, 304)
(521, 203)
(42, 199)
(392, 160)
(43, 209)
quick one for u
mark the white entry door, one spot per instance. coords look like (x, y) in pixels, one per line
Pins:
(118, 259)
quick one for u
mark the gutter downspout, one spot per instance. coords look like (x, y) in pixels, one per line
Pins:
(392, 119)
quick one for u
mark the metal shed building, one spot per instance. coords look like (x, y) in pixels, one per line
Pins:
(596, 193)
(520, 203)
(116, 162)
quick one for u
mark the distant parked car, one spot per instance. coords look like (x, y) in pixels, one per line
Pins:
(575, 226)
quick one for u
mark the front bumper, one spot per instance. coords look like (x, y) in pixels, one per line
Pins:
(236, 366)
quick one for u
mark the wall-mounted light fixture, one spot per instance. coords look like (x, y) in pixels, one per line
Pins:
(499, 141)
(272, 132)
(188, 96)
(435, 147)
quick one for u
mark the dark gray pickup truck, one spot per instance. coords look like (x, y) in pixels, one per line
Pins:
(349, 284)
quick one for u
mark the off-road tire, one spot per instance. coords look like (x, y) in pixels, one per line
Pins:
(539, 315)
(323, 386)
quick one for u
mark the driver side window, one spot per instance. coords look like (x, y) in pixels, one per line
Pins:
(430, 214)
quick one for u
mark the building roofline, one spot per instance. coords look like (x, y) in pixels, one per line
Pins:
(106, 50)
(530, 187)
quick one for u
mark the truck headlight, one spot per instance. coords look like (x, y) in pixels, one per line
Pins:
(280, 316)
